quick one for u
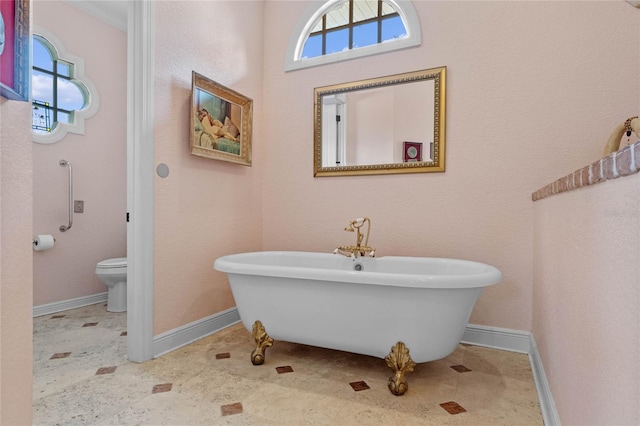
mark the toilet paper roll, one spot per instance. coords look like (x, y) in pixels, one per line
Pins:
(43, 242)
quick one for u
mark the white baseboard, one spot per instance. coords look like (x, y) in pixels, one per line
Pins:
(181, 336)
(65, 305)
(547, 406)
(497, 338)
(522, 342)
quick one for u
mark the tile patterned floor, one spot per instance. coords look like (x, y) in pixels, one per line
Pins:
(82, 377)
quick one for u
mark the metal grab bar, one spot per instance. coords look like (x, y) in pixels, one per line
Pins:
(64, 228)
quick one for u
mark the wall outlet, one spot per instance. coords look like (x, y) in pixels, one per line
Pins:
(78, 206)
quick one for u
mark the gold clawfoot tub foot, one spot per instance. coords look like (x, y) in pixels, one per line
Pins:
(401, 363)
(263, 341)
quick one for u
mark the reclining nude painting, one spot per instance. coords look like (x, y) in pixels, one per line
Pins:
(221, 122)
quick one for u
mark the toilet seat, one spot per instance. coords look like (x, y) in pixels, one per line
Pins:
(113, 274)
(119, 262)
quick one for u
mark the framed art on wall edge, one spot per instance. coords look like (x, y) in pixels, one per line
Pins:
(220, 122)
(15, 72)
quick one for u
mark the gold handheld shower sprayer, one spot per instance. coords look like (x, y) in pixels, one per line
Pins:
(359, 249)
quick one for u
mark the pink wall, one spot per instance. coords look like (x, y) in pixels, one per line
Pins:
(369, 127)
(532, 88)
(16, 230)
(413, 118)
(99, 164)
(204, 208)
(586, 298)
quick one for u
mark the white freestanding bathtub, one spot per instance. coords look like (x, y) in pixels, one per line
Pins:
(364, 305)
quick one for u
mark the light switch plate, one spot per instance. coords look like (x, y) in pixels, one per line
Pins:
(78, 206)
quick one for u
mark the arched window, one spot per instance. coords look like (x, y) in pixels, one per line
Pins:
(62, 96)
(337, 30)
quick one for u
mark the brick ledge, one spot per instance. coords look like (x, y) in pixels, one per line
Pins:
(621, 163)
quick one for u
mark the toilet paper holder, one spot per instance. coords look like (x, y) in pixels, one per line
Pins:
(43, 242)
(35, 241)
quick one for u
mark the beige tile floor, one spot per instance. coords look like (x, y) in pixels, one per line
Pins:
(212, 382)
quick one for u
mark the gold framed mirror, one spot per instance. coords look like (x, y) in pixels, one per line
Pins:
(384, 125)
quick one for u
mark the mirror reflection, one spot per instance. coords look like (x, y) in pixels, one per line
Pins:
(391, 124)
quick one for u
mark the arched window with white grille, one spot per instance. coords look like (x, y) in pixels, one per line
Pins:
(337, 30)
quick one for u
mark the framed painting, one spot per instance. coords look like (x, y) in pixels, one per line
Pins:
(220, 122)
(15, 72)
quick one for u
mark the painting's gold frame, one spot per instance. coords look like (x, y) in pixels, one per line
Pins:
(20, 54)
(216, 90)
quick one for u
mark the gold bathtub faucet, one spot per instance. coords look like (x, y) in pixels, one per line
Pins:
(358, 249)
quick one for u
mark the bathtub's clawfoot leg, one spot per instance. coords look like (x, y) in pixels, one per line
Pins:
(263, 341)
(401, 363)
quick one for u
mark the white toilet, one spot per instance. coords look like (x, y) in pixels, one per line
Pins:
(113, 273)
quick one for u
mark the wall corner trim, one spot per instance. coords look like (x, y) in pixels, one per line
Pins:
(523, 342)
(181, 336)
(547, 406)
